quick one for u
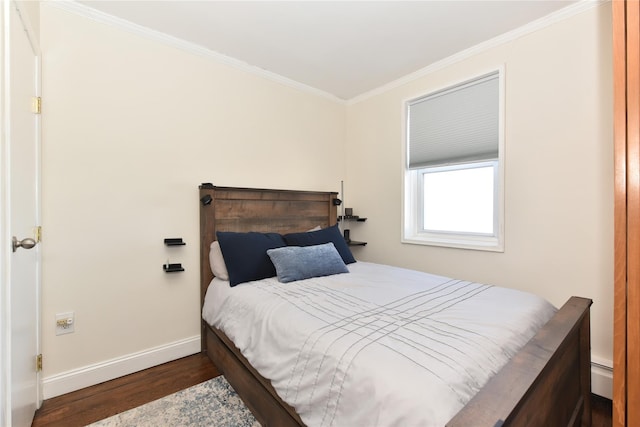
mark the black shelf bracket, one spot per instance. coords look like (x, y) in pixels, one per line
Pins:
(351, 218)
(172, 268)
(174, 242)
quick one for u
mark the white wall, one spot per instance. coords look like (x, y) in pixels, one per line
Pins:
(131, 126)
(559, 170)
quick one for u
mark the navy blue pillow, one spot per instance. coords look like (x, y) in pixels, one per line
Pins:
(245, 254)
(326, 235)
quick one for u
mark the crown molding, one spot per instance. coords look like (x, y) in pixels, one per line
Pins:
(529, 28)
(123, 24)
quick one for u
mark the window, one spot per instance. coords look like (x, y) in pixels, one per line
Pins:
(454, 172)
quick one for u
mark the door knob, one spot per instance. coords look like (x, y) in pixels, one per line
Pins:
(24, 243)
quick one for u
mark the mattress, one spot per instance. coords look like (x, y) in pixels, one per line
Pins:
(378, 346)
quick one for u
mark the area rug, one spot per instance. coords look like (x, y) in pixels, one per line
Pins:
(211, 403)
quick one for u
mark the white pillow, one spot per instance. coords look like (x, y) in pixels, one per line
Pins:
(216, 261)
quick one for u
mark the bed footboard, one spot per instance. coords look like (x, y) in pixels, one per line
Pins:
(547, 383)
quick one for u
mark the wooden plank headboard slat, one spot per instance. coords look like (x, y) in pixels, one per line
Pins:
(244, 209)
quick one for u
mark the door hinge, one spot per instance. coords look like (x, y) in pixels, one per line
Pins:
(39, 363)
(38, 234)
(36, 105)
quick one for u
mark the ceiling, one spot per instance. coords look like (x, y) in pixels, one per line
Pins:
(343, 48)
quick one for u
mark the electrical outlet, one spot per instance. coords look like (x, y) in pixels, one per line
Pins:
(65, 323)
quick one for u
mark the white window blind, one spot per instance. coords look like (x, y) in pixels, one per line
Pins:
(456, 125)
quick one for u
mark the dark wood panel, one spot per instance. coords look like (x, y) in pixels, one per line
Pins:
(234, 193)
(250, 209)
(267, 226)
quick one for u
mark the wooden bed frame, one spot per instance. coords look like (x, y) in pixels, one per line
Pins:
(547, 383)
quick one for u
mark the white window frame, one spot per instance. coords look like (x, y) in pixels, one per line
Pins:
(412, 231)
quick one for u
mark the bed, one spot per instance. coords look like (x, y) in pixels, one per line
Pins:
(544, 383)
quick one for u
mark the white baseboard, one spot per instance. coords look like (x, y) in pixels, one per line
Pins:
(76, 379)
(601, 377)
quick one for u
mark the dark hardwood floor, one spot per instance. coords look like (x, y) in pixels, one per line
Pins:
(91, 404)
(601, 410)
(100, 401)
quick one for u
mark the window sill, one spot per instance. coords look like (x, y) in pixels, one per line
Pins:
(490, 244)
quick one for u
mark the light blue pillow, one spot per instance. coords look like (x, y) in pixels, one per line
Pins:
(303, 262)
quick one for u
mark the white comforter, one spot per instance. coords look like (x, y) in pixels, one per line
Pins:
(378, 346)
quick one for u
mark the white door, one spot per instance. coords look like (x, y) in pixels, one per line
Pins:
(22, 141)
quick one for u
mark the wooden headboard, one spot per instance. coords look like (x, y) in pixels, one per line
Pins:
(251, 209)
